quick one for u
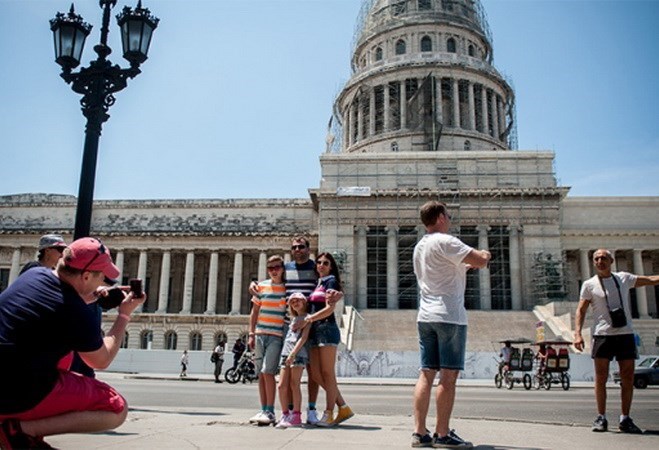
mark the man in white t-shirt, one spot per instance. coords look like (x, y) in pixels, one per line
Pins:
(613, 335)
(441, 262)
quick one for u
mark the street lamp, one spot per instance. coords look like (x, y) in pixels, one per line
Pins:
(98, 82)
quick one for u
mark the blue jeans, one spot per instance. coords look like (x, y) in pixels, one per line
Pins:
(442, 345)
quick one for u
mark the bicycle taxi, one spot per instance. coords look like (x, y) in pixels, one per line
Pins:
(518, 370)
(552, 363)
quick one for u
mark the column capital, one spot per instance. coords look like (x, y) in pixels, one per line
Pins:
(514, 228)
(391, 228)
(483, 228)
(361, 229)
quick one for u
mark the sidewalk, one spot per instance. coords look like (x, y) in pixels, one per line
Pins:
(215, 428)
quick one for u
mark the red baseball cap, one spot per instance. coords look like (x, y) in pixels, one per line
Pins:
(90, 254)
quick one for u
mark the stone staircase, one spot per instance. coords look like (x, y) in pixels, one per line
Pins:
(385, 330)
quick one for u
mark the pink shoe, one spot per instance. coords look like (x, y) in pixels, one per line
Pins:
(292, 419)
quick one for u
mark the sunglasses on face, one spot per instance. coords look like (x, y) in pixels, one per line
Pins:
(58, 249)
(101, 251)
(275, 267)
(323, 263)
(298, 247)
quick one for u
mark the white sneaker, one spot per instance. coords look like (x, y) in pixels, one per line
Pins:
(256, 417)
(327, 419)
(267, 418)
(312, 416)
(283, 420)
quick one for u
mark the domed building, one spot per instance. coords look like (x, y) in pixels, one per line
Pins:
(425, 115)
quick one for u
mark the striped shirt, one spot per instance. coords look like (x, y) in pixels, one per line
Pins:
(301, 277)
(272, 301)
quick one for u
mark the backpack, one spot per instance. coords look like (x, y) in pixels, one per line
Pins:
(215, 357)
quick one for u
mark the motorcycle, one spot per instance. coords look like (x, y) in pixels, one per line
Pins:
(245, 370)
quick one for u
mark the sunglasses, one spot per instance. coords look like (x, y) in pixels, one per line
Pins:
(298, 247)
(323, 263)
(101, 251)
(275, 267)
(58, 249)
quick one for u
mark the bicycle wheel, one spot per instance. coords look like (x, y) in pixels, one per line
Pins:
(510, 381)
(232, 376)
(565, 381)
(547, 381)
(498, 381)
(526, 379)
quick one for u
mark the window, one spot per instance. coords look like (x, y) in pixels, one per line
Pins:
(195, 341)
(4, 279)
(450, 45)
(378, 54)
(471, 50)
(394, 146)
(426, 44)
(401, 48)
(467, 145)
(146, 339)
(171, 339)
(221, 339)
(124, 343)
(425, 5)
(399, 7)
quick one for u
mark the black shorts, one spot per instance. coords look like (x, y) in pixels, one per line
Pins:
(621, 347)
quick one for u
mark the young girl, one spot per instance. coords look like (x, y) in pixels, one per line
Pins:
(294, 357)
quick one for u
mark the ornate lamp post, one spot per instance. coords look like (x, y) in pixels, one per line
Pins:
(98, 82)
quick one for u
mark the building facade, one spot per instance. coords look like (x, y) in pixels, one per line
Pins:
(425, 115)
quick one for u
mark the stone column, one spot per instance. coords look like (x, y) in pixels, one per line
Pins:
(211, 298)
(614, 265)
(386, 109)
(360, 120)
(371, 113)
(141, 273)
(515, 268)
(472, 106)
(584, 264)
(403, 105)
(287, 258)
(495, 116)
(119, 262)
(346, 128)
(456, 103)
(438, 100)
(236, 293)
(484, 273)
(486, 126)
(15, 269)
(188, 283)
(163, 294)
(502, 115)
(641, 295)
(362, 268)
(262, 273)
(392, 267)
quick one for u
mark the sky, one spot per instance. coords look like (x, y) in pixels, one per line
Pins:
(235, 97)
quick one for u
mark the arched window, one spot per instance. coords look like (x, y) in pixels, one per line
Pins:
(124, 343)
(171, 339)
(426, 44)
(195, 340)
(425, 5)
(399, 7)
(401, 48)
(378, 54)
(394, 146)
(471, 50)
(221, 338)
(467, 145)
(146, 339)
(450, 45)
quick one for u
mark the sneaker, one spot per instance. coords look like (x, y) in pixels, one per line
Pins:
(344, 414)
(312, 416)
(267, 418)
(451, 440)
(282, 419)
(419, 440)
(327, 420)
(290, 420)
(628, 426)
(12, 436)
(600, 424)
(256, 417)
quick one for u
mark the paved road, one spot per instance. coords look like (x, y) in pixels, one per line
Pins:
(556, 406)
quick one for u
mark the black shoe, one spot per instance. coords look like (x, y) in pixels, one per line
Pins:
(600, 424)
(419, 440)
(12, 434)
(628, 426)
(451, 440)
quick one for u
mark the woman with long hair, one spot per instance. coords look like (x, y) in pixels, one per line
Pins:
(324, 340)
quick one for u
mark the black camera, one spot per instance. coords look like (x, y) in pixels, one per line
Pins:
(618, 318)
(136, 287)
(112, 298)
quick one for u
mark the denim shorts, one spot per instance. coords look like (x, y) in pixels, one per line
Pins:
(442, 345)
(300, 361)
(324, 334)
(266, 353)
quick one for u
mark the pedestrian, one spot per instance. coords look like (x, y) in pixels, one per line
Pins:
(613, 333)
(505, 353)
(49, 252)
(217, 358)
(324, 340)
(44, 317)
(184, 364)
(266, 332)
(441, 262)
(237, 350)
(294, 358)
